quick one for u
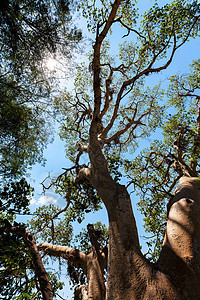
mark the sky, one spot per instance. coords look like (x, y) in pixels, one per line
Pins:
(56, 160)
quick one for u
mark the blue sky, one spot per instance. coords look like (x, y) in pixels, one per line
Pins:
(56, 159)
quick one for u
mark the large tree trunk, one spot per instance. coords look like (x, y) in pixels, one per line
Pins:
(180, 257)
(126, 264)
(130, 275)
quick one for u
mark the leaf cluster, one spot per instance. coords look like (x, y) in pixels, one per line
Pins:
(82, 196)
(46, 226)
(15, 197)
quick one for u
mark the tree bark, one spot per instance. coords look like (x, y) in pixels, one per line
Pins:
(88, 262)
(180, 256)
(81, 290)
(125, 260)
(130, 275)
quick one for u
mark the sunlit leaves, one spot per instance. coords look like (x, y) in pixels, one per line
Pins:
(169, 25)
(29, 31)
(98, 12)
(32, 28)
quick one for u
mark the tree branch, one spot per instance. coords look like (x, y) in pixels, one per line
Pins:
(125, 129)
(96, 247)
(38, 266)
(129, 29)
(81, 290)
(99, 39)
(69, 254)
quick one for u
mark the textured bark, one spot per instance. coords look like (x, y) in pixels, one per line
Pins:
(180, 257)
(124, 249)
(130, 275)
(96, 286)
(96, 265)
(89, 263)
(81, 290)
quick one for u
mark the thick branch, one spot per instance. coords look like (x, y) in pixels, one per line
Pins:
(96, 247)
(97, 67)
(38, 266)
(71, 254)
(108, 95)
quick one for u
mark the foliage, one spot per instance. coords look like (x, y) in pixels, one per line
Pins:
(82, 240)
(81, 195)
(130, 109)
(14, 197)
(17, 278)
(111, 90)
(13, 276)
(97, 14)
(34, 28)
(47, 227)
(30, 31)
(54, 224)
(156, 171)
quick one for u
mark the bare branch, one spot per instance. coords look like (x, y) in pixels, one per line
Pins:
(99, 39)
(129, 29)
(125, 129)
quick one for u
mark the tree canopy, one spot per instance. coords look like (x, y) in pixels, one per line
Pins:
(30, 32)
(103, 121)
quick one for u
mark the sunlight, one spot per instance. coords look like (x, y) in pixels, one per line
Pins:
(51, 64)
(59, 67)
(56, 65)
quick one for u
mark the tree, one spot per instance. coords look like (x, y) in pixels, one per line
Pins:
(110, 109)
(108, 120)
(30, 32)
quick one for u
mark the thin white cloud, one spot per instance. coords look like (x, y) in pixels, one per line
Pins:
(43, 200)
(46, 199)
